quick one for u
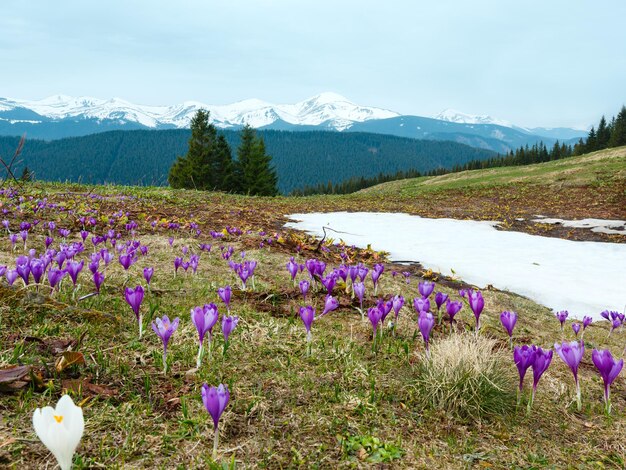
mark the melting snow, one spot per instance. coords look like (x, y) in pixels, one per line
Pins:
(584, 278)
(596, 225)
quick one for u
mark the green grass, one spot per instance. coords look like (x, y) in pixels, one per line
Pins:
(344, 406)
(593, 168)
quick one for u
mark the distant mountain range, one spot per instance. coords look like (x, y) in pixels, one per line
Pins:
(65, 116)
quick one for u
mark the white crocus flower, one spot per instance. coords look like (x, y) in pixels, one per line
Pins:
(60, 429)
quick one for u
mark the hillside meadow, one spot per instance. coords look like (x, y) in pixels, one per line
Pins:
(341, 401)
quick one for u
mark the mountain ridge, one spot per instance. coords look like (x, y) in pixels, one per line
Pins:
(61, 116)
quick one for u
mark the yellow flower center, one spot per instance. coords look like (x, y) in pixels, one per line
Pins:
(58, 419)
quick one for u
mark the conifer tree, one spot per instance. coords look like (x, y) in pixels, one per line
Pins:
(224, 166)
(592, 141)
(197, 168)
(255, 170)
(603, 134)
(618, 131)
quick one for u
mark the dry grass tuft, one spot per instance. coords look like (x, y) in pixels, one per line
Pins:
(468, 377)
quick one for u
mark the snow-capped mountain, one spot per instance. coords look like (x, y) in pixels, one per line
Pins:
(452, 115)
(330, 109)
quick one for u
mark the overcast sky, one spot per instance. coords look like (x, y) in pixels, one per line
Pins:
(533, 62)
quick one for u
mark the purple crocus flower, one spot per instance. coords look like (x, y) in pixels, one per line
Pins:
(165, 328)
(540, 364)
(48, 241)
(204, 319)
(126, 260)
(24, 236)
(22, 266)
(586, 322)
(98, 279)
(11, 275)
(329, 283)
(421, 304)
(134, 298)
(330, 304)
(426, 322)
(55, 276)
(609, 369)
(304, 288)
(13, 238)
(307, 315)
(440, 299)
(353, 273)
(576, 328)
(561, 317)
(74, 268)
(215, 401)
(606, 315)
(178, 261)
(426, 288)
(615, 324)
(508, 320)
(147, 274)
(476, 303)
(378, 270)
(37, 268)
(228, 325)
(225, 294)
(375, 315)
(106, 256)
(94, 264)
(292, 267)
(397, 304)
(359, 291)
(524, 357)
(572, 353)
(452, 308)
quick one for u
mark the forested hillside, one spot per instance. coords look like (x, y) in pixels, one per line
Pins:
(300, 158)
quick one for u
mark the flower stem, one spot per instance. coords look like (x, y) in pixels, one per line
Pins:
(579, 403)
(199, 359)
(530, 402)
(215, 443)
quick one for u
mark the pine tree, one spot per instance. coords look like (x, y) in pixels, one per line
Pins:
(618, 131)
(255, 170)
(592, 141)
(197, 168)
(224, 167)
(603, 134)
(260, 171)
(242, 174)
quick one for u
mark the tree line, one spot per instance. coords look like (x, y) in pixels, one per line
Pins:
(209, 163)
(607, 135)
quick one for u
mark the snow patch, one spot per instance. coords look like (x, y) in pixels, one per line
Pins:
(584, 278)
(596, 225)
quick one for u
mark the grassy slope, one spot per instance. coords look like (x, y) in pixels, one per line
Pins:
(287, 409)
(595, 168)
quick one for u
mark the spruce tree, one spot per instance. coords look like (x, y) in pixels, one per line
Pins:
(618, 131)
(603, 134)
(592, 141)
(224, 167)
(242, 174)
(197, 168)
(254, 168)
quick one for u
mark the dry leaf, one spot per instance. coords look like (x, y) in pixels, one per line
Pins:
(16, 377)
(69, 358)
